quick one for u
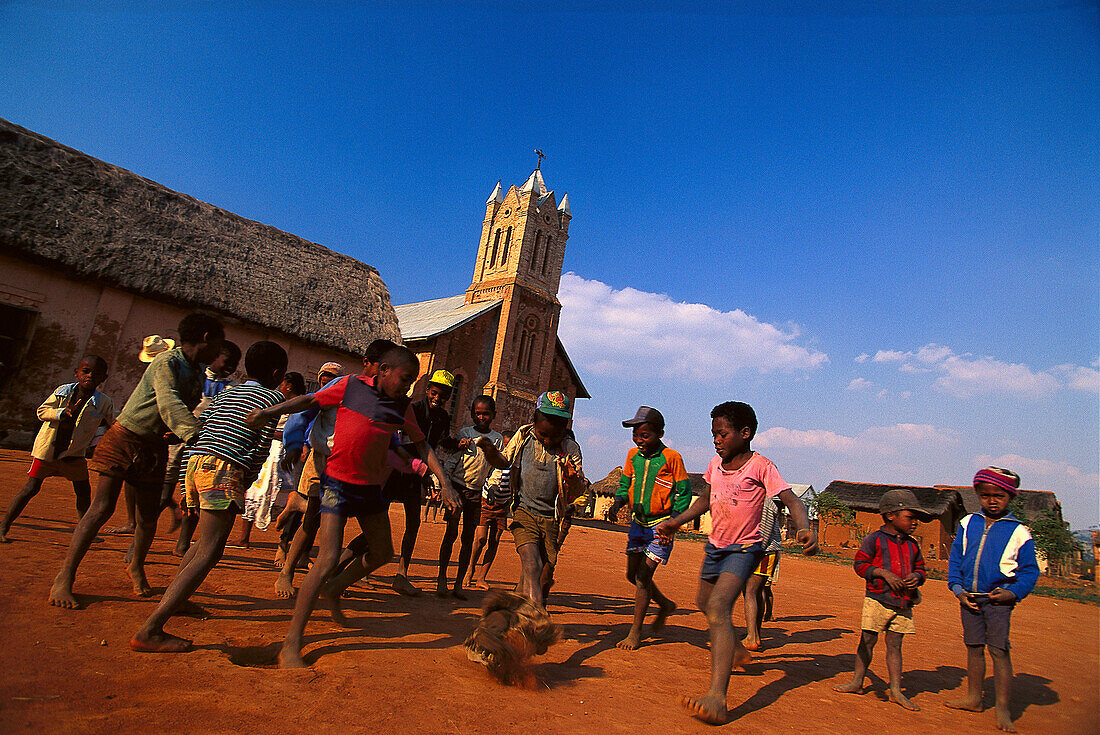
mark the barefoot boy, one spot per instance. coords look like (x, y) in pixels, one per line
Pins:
(891, 562)
(758, 587)
(135, 451)
(369, 411)
(656, 486)
(992, 567)
(495, 497)
(467, 470)
(221, 465)
(738, 483)
(70, 417)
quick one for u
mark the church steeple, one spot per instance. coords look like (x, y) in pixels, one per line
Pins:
(523, 240)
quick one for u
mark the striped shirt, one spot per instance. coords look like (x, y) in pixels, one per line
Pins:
(225, 435)
(897, 553)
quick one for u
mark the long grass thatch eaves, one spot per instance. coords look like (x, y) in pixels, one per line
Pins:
(71, 212)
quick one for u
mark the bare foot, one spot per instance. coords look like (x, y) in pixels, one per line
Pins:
(4, 537)
(1004, 720)
(332, 597)
(189, 609)
(291, 659)
(118, 529)
(633, 640)
(62, 595)
(280, 558)
(284, 588)
(129, 554)
(441, 588)
(478, 584)
(741, 658)
(663, 611)
(899, 698)
(159, 643)
(708, 709)
(852, 687)
(751, 645)
(966, 703)
(141, 585)
(402, 584)
(180, 548)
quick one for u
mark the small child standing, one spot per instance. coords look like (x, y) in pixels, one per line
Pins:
(467, 470)
(656, 486)
(70, 418)
(758, 588)
(992, 567)
(221, 465)
(891, 562)
(739, 482)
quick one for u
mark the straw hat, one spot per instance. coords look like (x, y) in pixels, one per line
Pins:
(153, 345)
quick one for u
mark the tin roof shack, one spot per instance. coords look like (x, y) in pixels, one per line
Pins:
(93, 258)
(944, 504)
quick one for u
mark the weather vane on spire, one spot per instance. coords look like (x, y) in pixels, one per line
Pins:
(541, 155)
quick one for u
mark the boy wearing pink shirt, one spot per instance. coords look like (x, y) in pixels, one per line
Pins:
(738, 483)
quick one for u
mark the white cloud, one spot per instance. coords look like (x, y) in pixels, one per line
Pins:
(966, 376)
(864, 357)
(611, 332)
(876, 440)
(859, 384)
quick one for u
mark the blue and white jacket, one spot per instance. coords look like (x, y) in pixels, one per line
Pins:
(1001, 556)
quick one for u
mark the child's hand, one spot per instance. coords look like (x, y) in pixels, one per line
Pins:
(895, 582)
(1001, 596)
(912, 580)
(808, 538)
(665, 530)
(464, 444)
(255, 419)
(563, 529)
(286, 464)
(450, 498)
(483, 442)
(966, 601)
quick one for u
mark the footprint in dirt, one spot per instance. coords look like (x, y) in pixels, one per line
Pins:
(253, 653)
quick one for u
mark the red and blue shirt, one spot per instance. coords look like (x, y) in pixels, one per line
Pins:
(897, 553)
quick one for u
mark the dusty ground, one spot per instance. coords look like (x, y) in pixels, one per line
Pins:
(402, 668)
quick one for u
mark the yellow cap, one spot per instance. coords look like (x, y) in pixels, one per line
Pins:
(442, 377)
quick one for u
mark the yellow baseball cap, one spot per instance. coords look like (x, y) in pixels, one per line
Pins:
(442, 377)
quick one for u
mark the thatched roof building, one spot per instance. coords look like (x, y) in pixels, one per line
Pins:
(88, 219)
(864, 497)
(1034, 502)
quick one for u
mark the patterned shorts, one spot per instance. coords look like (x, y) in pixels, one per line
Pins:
(768, 568)
(211, 483)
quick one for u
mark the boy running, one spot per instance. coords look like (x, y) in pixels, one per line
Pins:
(135, 449)
(739, 481)
(992, 567)
(891, 562)
(220, 467)
(655, 485)
(467, 469)
(369, 411)
(70, 418)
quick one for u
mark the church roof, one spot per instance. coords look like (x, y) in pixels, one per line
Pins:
(426, 319)
(582, 392)
(497, 195)
(88, 219)
(564, 206)
(535, 183)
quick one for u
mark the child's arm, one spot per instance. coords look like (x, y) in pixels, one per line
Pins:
(667, 528)
(450, 495)
(173, 411)
(805, 535)
(492, 454)
(918, 576)
(258, 417)
(51, 410)
(1027, 570)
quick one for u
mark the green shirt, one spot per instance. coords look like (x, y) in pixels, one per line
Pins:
(165, 397)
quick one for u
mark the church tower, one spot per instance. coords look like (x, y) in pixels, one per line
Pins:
(519, 262)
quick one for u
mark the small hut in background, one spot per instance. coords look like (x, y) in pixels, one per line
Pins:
(93, 258)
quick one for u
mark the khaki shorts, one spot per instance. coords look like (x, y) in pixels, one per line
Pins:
(138, 460)
(528, 528)
(309, 484)
(211, 483)
(877, 618)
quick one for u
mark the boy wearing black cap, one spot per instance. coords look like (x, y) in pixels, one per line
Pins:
(891, 562)
(655, 485)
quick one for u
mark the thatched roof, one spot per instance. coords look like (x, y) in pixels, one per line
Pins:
(935, 501)
(70, 212)
(1035, 502)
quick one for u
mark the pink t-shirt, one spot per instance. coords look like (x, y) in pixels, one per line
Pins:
(737, 499)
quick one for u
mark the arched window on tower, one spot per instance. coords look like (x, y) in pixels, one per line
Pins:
(535, 250)
(546, 254)
(507, 242)
(526, 338)
(496, 246)
(530, 353)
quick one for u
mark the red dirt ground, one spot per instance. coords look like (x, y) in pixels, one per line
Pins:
(401, 668)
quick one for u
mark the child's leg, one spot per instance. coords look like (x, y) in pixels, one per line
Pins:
(82, 489)
(103, 506)
(531, 570)
(975, 678)
(299, 548)
(451, 518)
(490, 554)
(331, 541)
(633, 639)
(716, 599)
(147, 502)
(128, 499)
(754, 610)
(1002, 686)
(376, 551)
(188, 523)
(216, 526)
(245, 534)
(893, 666)
(410, 500)
(481, 535)
(665, 606)
(769, 599)
(18, 503)
(471, 514)
(864, 651)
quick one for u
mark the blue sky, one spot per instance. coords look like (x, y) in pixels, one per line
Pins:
(878, 224)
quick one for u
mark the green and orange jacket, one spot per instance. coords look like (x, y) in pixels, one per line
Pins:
(656, 487)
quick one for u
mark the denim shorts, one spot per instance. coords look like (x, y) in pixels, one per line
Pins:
(737, 559)
(350, 500)
(642, 540)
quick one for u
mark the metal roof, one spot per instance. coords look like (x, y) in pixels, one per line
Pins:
(426, 319)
